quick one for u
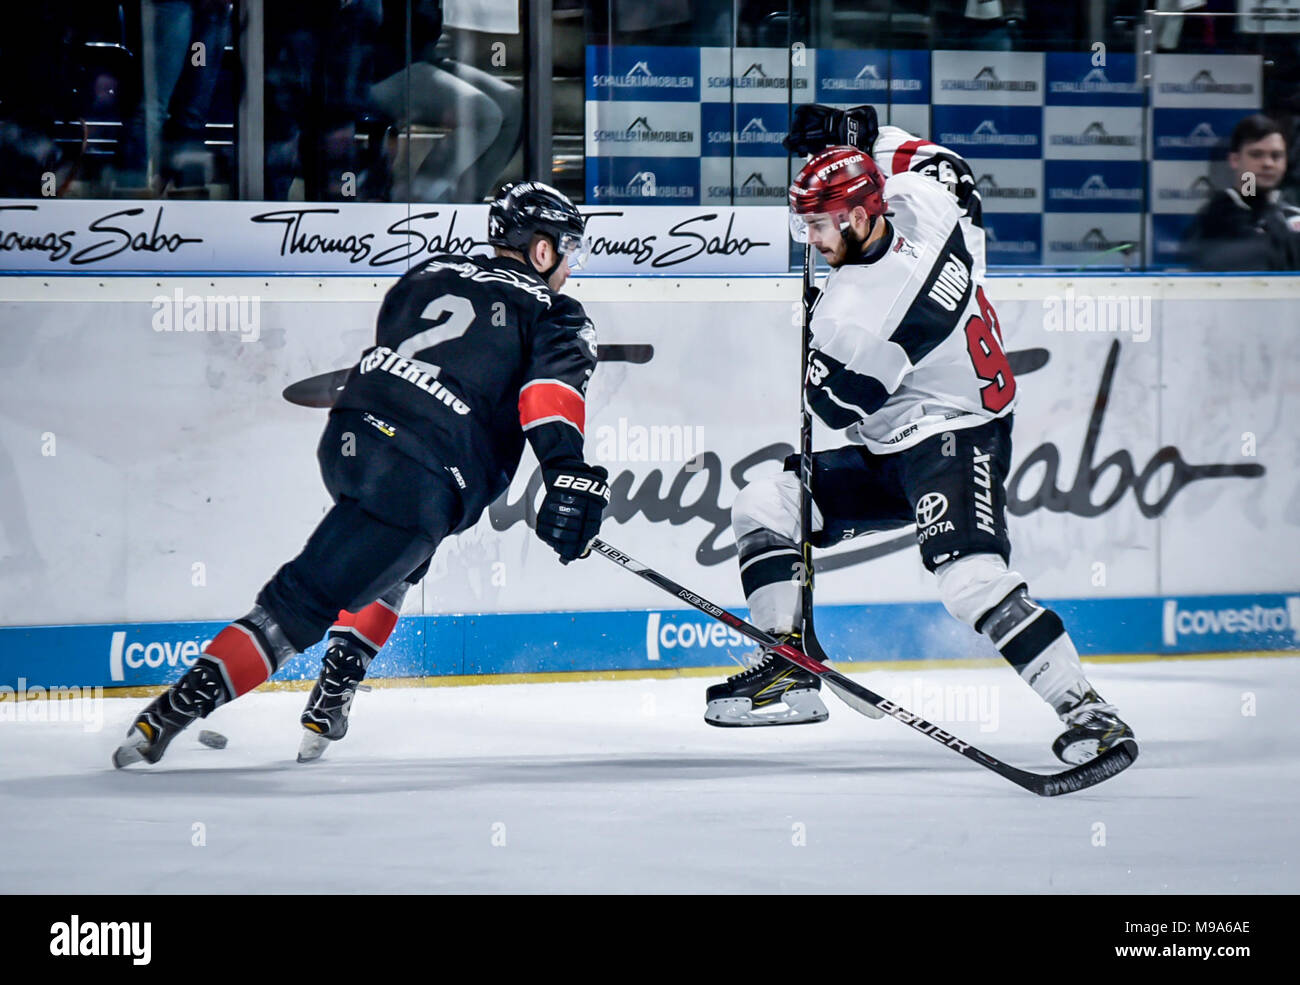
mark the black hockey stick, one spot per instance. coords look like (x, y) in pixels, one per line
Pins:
(858, 697)
(857, 134)
(811, 644)
(323, 389)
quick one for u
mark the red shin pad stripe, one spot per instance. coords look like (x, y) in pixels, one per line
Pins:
(375, 622)
(245, 666)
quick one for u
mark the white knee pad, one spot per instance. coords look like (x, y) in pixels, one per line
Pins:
(972, 585)
(770, 503)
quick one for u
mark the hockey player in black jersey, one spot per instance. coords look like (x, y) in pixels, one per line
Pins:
(471, 355)
(906, 356)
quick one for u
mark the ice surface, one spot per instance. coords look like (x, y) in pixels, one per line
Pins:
(620, 787)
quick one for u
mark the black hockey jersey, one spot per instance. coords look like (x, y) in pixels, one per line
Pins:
(470, 354)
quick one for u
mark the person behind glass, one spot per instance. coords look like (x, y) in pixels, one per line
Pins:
(320, 64)
(1249, 226)
(183, 45)
(983, 25)
(36, 70)
(483, 112)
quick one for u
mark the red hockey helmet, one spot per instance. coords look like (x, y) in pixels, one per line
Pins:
(830, 186)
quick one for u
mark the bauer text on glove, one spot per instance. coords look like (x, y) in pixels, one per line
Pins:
(576, 497)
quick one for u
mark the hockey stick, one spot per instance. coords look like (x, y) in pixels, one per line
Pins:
(859, 131)
(810, 642)
(805, 465)
(859, 698)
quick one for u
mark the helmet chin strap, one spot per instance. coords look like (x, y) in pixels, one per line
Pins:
(546, 274)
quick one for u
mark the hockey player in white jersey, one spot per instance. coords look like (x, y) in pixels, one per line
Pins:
(815, 127)
(906, 355)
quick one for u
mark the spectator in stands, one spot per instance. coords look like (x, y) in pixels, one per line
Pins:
(984, 25)
(675, 22)
(184, 41)
(483, 113)
(38, 85)
(320, 65)
(1248, 226)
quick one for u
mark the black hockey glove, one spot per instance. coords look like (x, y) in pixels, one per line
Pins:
(813, 129)
(576, 497)
(816, 127)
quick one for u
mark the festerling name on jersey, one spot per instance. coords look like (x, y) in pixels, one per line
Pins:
(412, 371)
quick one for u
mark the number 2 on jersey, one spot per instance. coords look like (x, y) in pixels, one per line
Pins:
(452, 316)
(984, 343)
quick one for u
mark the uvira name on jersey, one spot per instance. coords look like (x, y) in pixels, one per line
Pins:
(933, 362)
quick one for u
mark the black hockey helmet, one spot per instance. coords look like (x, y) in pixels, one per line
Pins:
(524, 209)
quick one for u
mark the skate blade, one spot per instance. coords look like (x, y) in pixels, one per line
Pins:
(312, 747)
(799, 708)
(132, 750)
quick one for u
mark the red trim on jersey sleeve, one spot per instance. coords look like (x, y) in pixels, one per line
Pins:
(548, 400)
(903, 156)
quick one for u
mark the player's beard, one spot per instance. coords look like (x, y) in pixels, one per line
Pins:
(853, 246)
(850, 250)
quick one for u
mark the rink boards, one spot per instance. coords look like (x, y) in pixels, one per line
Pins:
(152, 477)
(586, 643)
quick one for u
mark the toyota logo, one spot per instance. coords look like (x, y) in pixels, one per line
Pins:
(930, 507)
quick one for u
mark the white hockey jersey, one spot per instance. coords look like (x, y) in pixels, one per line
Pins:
(907, 346)
(896, 152)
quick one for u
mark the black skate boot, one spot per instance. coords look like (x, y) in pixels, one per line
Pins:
(194, 696)
(771, 692)
(326, 716)
(1094, 728)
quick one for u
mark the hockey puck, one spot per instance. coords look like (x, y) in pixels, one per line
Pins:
(213, 740)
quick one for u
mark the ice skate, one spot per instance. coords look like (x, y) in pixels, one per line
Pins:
(325, 719)
(1094, 728)
(771, 692)
(194, 696)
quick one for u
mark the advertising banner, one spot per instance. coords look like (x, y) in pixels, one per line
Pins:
(156, 473)
(385, 240)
